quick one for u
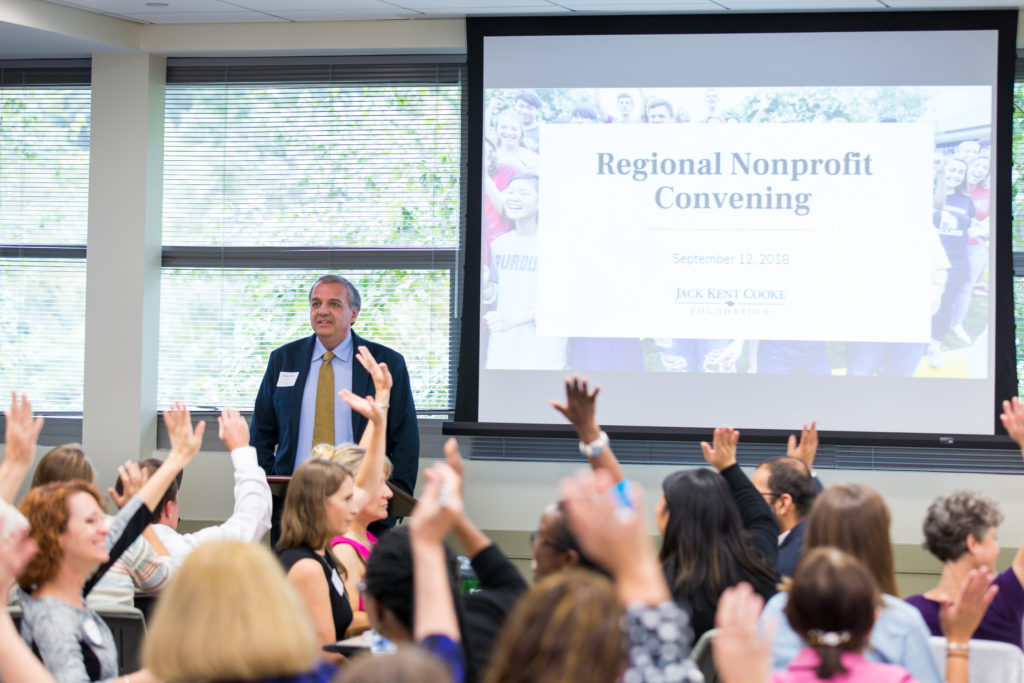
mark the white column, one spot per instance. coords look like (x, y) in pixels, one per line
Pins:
(123, 279)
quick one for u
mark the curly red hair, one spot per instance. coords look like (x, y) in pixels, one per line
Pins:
(46, 508)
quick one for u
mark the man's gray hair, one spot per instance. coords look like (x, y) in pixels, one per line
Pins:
(354, 300)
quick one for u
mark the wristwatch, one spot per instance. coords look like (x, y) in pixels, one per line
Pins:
(595, 447)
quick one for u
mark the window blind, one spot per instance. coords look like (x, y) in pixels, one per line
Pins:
(44, 185)
(278, 171)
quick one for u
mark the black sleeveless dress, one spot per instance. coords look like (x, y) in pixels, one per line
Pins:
(341, 609)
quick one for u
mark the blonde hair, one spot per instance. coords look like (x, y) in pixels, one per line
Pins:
(229, 614)
(350, 455)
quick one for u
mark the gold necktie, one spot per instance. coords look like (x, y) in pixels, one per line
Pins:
(323, 417)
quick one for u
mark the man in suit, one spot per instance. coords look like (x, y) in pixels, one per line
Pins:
(298, 405)
(789, 486)
(789, 489)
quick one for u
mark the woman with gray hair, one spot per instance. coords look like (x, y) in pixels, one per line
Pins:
(960, 530)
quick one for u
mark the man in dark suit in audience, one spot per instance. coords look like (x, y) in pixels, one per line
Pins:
(292, 414)
(789, 486)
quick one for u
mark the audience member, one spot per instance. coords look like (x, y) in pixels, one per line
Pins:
(501, 585)
(435, 619)
(250, 517)
(960, 530)
(349, 551)
(855, 519)
(408, 665)
(321, 502)
(230, 615)
(76, 547)
(716, 529)
(145, 567)
(832, 605)
(571, 627)
(834, 601)
(789, 487)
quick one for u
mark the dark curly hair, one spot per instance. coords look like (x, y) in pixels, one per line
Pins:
(46, 508)
(952, 519)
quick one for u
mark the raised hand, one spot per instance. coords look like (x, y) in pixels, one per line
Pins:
(438, 507)
(22, 432)
(1013, 420)
(740, 654)
(614, 538)
(378, 372)
(807, 447)
(367, 407)
(580, 408)
(959, 619)
(723, 453)
(186, 440)
(453, 456)
(132, 478)
(609, 536)
(232, 429)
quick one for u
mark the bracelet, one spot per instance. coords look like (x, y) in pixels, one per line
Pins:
(957, 647)
(595, 447)
(951, 653)
(383, 406)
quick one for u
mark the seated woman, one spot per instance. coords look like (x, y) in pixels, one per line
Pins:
(230, 615)
(960, 530)
(855, 519)
(832, 605)
(322, 500)
(351, 550)
(145, 567)
(76, 546)
(716, 529)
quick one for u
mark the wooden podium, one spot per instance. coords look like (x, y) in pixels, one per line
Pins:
(400, 505)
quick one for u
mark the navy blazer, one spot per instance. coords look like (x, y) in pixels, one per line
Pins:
(275, 418)
(791, 549)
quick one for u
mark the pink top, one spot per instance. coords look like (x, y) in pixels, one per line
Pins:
(363, 551)
(859, 670)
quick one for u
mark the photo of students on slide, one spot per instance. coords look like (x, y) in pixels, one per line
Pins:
(510, 283)
(954, 235)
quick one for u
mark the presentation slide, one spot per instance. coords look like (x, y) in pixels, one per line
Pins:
(802, 235)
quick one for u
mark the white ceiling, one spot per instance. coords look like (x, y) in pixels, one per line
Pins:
(40, 29)
(237, 11)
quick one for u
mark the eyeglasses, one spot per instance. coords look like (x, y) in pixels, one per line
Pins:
(537, 540)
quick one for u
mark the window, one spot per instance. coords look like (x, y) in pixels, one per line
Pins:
(275, 172)
(1017, 194)
(44, 187)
